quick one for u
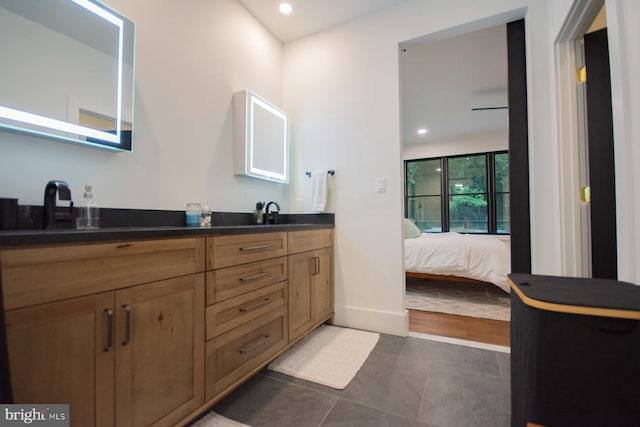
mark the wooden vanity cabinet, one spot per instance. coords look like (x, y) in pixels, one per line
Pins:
(159, 351)
(246, 312)
(153, 332)
(310, 280)
(131, 356)
(57, 355)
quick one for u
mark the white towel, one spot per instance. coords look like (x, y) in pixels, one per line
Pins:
(319, 191)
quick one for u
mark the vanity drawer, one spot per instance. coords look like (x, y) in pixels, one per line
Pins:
(43, 274)
(231, 313)
(302, 241)
(225, 251)
(234, 355)
(234, 281)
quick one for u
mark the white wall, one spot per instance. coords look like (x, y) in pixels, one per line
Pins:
(478, 143)
(343, 91)
(190, 58)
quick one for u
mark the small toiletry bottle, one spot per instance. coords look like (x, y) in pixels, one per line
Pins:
(257, 213)
(89, 214)
(194, 214)
(205, 219)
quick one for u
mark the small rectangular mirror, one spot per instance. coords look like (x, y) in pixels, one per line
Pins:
(260, 137)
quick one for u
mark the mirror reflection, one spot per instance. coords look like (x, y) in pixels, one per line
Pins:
(261, 138)
(69, 71)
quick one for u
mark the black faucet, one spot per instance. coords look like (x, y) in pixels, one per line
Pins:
(52, 191)
(272, 217)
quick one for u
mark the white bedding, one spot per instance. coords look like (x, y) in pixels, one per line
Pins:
(479, 257)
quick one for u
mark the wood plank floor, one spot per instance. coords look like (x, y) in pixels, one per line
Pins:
(462, 327)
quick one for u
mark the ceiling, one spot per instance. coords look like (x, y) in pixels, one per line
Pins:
(312, 16)
(441, 80)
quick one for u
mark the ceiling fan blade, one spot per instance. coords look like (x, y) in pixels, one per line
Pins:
(489, 108)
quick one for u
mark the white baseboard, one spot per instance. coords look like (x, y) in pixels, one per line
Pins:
(457, 341)
(372, 320)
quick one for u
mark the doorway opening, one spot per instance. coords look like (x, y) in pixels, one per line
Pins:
(424, 137)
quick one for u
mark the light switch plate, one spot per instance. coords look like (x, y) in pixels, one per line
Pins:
(381, 185)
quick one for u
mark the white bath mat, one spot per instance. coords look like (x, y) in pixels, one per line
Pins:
(216, 420)
(330, 356)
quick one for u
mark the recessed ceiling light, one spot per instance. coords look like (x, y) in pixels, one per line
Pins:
(422, 131)
(285, 8)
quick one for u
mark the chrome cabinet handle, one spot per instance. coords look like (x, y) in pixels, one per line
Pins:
(109, 313)
(254, 248)
(253, 345)
(254, 277)
(317, 265)
(255, 306)
(127, 327)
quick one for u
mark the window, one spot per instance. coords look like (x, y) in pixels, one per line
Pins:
(467, 194)
(501, 168)
(424, 194)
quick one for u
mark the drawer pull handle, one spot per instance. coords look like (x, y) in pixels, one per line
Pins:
(124, 245)
(127, 322)
(315, 265)
(255, 306)
(109, 313)
(253, 345)
(254, 248)
(254, 277)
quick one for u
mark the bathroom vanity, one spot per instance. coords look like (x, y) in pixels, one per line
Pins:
(153, 326)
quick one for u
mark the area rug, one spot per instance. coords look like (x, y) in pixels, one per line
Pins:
(464, 299)
(329, 355)
(216, 420)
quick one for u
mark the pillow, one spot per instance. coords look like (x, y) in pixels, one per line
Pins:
(411, 231)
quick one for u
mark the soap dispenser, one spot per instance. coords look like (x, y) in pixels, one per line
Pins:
(257, 213)
(89, 214)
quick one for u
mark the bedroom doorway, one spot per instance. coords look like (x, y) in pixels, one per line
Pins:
(494, 100)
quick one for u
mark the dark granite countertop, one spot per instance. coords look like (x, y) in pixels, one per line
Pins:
(45, 237)
(140, 225)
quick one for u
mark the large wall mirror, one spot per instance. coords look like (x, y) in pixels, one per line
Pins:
(261, 138)
(67, 71)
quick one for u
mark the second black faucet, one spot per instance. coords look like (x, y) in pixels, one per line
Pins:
(272, 217)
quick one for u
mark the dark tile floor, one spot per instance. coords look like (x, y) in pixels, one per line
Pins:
(404, 382)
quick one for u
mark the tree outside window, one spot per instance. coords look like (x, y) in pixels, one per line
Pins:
(467, 179)
(468, 194)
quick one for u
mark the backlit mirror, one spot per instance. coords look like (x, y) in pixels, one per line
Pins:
(67, 71)
(261, 138)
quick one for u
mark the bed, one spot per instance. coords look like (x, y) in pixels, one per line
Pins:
(455, 256)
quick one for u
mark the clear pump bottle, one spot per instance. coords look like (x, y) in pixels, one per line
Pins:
(89, 214)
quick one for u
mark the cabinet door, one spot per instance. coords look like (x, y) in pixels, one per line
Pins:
(60, 353)
(159, 351)
(323, 285)
(301, 266)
